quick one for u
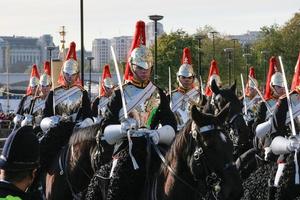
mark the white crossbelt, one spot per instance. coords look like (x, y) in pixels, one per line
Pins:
(190, 94)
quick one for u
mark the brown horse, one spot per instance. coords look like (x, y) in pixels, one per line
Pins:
(71, 171)
(199, 164)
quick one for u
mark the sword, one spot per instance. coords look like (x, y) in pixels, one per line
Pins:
(135, 165)
(201, 84)
(244, 95)
(52, 79)
(259, 93)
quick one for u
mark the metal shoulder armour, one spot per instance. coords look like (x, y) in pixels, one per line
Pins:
(37, 111)
(102, 106)
(141, 103)
(181, 104)
(68, 101)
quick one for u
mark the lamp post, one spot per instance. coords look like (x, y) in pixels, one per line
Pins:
(228, 51)
(199, 38)
(214, 49)
(233, 59)
(82, 42)
(50, 49)
(265, 53)
(155, 18)
(90, 58)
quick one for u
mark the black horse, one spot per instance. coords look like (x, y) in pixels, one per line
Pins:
(71, 170)
(199, 164)
(235, 123)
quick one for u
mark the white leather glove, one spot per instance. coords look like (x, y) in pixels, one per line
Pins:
(49, 122)
(18, 118)
(153, 134)
(85, 123)
(27, 121)
(128, 124)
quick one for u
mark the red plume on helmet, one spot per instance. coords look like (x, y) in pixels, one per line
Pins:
(34, 77)
(296, 77)
(47, 69)
(272, 70)
(70, 55)
(105, 74)
(186, 56)
(138, 39)
(213, 71)
(252, 75)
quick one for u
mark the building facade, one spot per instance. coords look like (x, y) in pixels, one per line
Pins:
(248, 38)
(102, 53)
(17, 54)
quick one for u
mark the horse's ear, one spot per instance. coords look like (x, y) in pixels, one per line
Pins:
(196, 114)
(202, 100)
(214, 87)
(233, 87)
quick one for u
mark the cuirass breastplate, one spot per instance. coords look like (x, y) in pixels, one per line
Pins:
(295, 104)
(252, 107)
(182, 113)
(68, 103)
(102, 106)
(143, 109)
(37, 112)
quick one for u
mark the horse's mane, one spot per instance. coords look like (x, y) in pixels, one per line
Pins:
(84, 134)
(177, 148)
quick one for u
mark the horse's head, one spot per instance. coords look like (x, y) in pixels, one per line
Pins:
(211, 157)
(222, 96)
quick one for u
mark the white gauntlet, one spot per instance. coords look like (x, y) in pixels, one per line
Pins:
(49, 122)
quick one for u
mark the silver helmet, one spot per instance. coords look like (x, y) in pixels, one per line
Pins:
(277, 79)
(107, 82)
(70, 66)
(45, 80)
(185, 70)
(34, 81)
(142, 57)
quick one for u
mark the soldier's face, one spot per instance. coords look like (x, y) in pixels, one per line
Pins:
(186, 82)
(45, 90)
(279, 91)
(141, 73)
(70, 79)
(252, 92)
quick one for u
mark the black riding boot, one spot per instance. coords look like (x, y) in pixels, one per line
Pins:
(271, 192)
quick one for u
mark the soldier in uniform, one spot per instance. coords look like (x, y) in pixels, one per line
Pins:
(252, 99)
(186, 94)
(274, 90)
(38, 103)
(99, 105)
(18, 163)
(71, 104)
(148, 109)
(31, 92)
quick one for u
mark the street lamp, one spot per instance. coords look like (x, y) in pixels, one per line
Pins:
(214, 49)
(82, 42)
(50, 49)
(229, 51)
(155, 18)
(199, 38)
(265, 53)
(233, 60)
(90, 58)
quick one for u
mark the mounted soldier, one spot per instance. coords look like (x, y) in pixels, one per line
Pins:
(31, 92)
(68, 102)
(186, 94)
(252, 98)
(38, 103)
(274, 90)
(106, 88)
(149, 116)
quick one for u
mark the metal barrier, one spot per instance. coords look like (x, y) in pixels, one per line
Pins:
(5, 129)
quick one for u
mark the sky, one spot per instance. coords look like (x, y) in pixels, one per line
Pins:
(110, 18)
